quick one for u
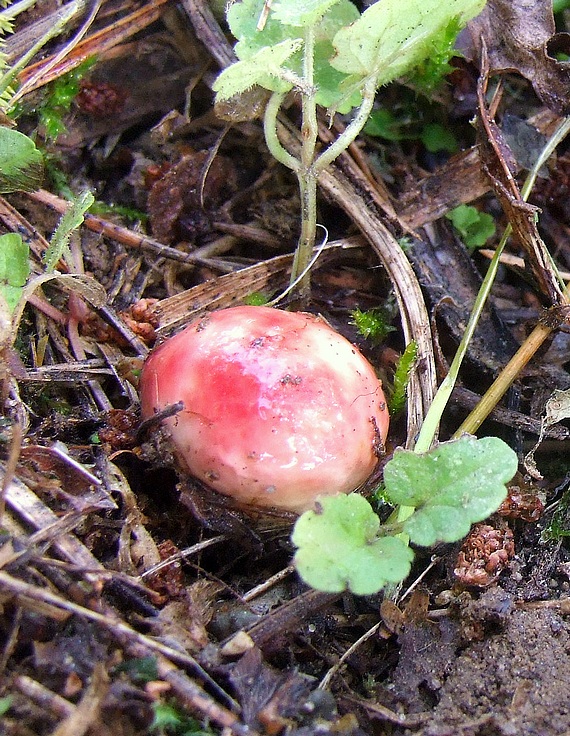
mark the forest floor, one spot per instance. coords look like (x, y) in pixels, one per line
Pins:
(133, 601)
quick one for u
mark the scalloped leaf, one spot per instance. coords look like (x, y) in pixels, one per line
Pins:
(301, 12)
(262, 68)
(393, 36)
(243, 18)
(452, 486)
(21, 164)
(338, 548)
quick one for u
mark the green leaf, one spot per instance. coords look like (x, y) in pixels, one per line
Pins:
(14, 267)
(5, 704)
(301, 12)
(243, 18)
(338, 548)
(451, 486)
(474, 227)
(436, 137)
(262, 68)
(393, 36)
(21, 164)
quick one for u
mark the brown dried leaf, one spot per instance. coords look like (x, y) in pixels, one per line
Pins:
(520, 36)
(53, 469)
(179, 200)
(498, 163)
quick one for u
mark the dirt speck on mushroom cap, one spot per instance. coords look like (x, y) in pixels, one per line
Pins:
(278, 407)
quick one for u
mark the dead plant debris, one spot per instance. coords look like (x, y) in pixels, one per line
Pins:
(134, 602)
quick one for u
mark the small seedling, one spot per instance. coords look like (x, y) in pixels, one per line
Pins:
(342, 544)
(333, 57)
(474, 227)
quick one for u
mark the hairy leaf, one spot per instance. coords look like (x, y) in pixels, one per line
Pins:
(262, 68)
(393, 36)
(452, 486)
(338, 548)
(301, 12)
(243, 18)
(69, 222)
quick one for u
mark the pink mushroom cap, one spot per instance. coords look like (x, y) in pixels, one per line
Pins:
(278, 407)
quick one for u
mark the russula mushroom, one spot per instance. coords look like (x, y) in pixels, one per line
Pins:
(278, 407)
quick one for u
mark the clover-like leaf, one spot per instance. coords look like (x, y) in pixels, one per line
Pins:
(21, 164)
(338, 548)
(452, 486)
(393, 36)
(14, 267)
(262, 68)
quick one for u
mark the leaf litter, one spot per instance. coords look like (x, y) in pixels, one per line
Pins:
(127, 596)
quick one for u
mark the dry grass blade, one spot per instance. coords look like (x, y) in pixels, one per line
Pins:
(227, 290)
(85, 715)
(43, 72)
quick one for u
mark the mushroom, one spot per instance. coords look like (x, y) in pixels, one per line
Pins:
(278, 408)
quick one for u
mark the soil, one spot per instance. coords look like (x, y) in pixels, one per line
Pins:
(135, 601)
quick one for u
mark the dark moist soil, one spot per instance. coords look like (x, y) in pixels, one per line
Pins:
(225, 638)
(512, 678)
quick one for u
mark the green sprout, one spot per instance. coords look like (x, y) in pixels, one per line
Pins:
(404, 368)
(474, 227)
(342, 544)
(333, 57)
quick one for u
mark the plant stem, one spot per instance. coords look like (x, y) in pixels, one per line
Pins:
(306, 173)
(431, 422)
(352, 129)
(270, 132)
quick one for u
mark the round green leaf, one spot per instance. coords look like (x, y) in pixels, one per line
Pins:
(451, 487)
(338, 548)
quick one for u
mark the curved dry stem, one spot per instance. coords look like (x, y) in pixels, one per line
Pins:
(413, 311)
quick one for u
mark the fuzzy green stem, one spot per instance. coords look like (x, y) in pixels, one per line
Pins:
(271, 137)
(352, 129)
(306, 174)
